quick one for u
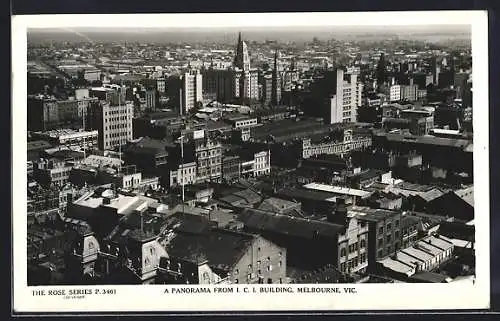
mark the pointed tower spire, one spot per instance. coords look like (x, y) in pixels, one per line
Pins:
(242, 58)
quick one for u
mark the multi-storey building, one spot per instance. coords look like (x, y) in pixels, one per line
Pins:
(266, 82)
(311, 148)
(255, 164)
(395, 93)
(341, 240)
(219, 83)
(52, 171)
(404, 92)
(388, 231)
(184, 174)
(70, 138)
(409, 92)
(289, 77)
(149, 155)
(276, 82)
(235, 257)
(231, 168)
(347, 98)
(262, 163)
(114, 123)
(208, 157)
(151, 99)
(239, 82)
(246, 84)
(192, 90)
(46, 113)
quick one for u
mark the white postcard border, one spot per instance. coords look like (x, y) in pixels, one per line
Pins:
(133, 298)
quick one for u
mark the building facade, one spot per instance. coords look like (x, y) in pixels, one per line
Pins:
(192, 90)
(349, 143)
(208, 155)
(344, 103)
(114, 123)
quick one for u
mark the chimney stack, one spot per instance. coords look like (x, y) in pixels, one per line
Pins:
(339, 216)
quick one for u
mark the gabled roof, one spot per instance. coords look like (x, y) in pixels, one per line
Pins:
(223, 249)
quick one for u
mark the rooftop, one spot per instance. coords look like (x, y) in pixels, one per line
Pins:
(289, 225)
(273, 204)
(428, 140)
(430, 277)
(337, 190)
(38, 145)
(371, 214)
(146, 146)
(222, 248)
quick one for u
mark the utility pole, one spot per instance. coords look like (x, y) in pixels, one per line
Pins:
(182, 170)
(84, 146)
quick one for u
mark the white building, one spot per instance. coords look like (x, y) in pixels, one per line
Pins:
(114, 124)
(184, 175)
(259, 165)
(395, 93)
(344, 104)
(192, 90)
(262, 163)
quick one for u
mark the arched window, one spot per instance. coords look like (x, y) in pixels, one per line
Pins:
(362, 243)
(342, 252)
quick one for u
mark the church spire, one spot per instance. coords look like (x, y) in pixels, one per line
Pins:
(242, 58)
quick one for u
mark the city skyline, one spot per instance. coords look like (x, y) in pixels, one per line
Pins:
(225, 34)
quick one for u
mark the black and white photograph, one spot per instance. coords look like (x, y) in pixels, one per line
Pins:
(231, 156)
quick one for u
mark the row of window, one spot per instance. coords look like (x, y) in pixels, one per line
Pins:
(132, 182)
(269, 268)
(118, 112)
(388, 226)
(117, 126)
(261, 280)
(353, 263)
(113, 135)
(353, 247)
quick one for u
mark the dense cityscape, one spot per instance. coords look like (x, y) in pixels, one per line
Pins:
(238, 161)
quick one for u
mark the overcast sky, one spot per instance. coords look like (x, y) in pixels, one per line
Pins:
(249, 33)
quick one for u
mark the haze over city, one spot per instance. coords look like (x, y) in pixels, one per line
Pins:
(282, 34)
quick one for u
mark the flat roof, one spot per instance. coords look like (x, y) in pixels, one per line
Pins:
(337, 189)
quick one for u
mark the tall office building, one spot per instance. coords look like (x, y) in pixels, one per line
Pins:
(276, 82)
(151, 98)
(289, 76)
(113, 122)
(344, 103)
(219, 83)
(239, 82)
(191, 91)
(381, 70)
(246, 77)
(266, 81)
